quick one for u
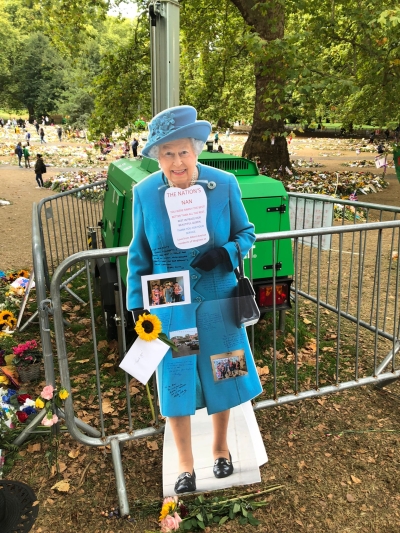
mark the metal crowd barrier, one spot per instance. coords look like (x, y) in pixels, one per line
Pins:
(327, 279)
(43, 311)
(67, 220)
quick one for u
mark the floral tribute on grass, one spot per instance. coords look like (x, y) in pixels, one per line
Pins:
(15, 408)
(66, 181)
(26, 354)
(13, 285)
(337, 184)
(199, 513)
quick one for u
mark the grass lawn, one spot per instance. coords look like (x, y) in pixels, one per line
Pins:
(4, 114)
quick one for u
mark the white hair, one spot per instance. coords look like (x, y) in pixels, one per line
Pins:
(196, 143)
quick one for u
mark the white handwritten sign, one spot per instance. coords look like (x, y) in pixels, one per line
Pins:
(380, 162)
(143, 358)
(306, 213)
(187, 211)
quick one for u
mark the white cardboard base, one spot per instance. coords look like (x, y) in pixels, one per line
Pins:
(245, 444)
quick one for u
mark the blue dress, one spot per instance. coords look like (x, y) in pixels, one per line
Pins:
(190, 382)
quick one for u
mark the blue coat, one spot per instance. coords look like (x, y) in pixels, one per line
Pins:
(188, 382)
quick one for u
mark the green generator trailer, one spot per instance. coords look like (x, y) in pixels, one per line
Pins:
(264, 198)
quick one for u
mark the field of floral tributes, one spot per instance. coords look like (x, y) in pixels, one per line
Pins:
(20, 362)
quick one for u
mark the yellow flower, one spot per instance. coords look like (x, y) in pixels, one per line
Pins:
(148, 327)
(6, 315)
(63, 394)
(39, 403)
(4, 379)
(12, 322)
(23, 274)
(167, 508)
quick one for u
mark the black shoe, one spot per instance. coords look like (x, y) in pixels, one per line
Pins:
(185, 483)
(223, 467)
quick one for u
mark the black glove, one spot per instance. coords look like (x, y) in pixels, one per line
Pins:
(211, 259)
(137, 312)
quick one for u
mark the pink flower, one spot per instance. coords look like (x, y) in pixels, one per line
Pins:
(47, 421)
(170, 523)
(55, 419)
(47, 392)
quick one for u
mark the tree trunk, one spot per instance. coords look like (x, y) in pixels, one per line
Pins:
(31, 113)
(266, 140)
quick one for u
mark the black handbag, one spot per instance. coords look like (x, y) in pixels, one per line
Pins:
(247, 311)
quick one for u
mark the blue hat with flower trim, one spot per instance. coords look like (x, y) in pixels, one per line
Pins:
(176, 123)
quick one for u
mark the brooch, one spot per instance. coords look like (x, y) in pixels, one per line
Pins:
(211, 185)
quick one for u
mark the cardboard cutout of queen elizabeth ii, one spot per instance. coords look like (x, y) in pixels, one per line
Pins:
(187, 217)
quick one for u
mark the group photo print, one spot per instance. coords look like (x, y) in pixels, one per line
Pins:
(166, 289)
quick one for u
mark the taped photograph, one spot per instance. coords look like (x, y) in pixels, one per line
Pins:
(187, 342)
(229, 365)
(172, 288)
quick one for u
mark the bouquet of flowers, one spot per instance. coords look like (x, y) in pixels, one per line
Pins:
(199, 513)
(169, 517)
(26, 354)
(47, 399)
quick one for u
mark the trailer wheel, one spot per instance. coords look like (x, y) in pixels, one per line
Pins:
(109, 323)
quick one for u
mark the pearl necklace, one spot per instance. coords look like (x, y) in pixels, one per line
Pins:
(192, 181)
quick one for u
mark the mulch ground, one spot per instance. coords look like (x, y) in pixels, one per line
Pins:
(336, 457)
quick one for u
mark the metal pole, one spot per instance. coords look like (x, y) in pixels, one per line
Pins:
(119, 477)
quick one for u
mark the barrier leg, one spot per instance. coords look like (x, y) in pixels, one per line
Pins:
(92, 432)
(119, 478)
(29, 428)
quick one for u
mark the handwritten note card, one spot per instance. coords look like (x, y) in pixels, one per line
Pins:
(187, 211)
(143, 358)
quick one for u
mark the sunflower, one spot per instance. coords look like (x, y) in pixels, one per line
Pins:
(148, 327)
(169, 507)
(5, 316)
(23, 273)
(12, 322)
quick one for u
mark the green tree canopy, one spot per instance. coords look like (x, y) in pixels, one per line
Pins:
(345, 60)
(122, 90)
(36, 79)
(216, 75)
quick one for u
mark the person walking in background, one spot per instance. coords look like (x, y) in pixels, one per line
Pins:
(27, 137)
(135, 144)
(19, 152)
(36, 124)
(216, 137)
(126, 149)
(42, 141)
(26, 156)
(59, 133)
(40, 169)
